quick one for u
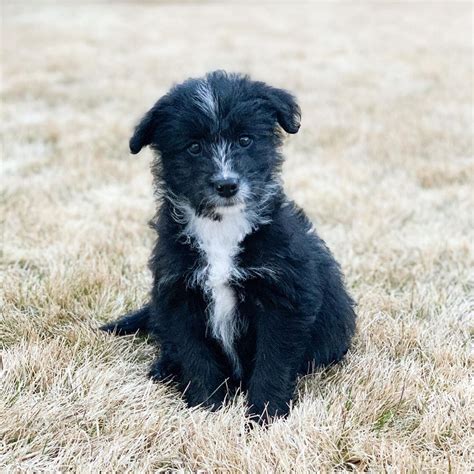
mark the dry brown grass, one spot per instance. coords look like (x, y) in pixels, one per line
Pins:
(383, 165)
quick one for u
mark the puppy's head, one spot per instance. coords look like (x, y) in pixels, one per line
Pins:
(218, 139)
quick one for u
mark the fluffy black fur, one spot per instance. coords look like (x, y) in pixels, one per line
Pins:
(292, 312)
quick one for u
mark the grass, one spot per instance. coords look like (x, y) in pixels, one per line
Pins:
(383, 165)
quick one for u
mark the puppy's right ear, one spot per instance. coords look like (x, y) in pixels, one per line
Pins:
(144, 131)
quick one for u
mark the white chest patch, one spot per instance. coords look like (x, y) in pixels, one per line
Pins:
(219, 243)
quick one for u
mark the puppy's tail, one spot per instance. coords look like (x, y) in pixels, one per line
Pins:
(135, 321)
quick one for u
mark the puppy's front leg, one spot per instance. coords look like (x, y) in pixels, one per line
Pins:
(280, 346)
(180, 327)
(202, 379)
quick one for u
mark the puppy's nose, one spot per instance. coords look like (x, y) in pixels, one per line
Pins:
(227, 187)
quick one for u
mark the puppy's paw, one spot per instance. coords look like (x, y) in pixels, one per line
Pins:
(265, 413)
(131, 323)
(111, 328)
(160, 371)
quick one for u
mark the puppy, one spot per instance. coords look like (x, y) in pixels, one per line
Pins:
(245, 294)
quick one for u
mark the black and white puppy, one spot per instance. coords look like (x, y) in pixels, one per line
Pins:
(245, 294)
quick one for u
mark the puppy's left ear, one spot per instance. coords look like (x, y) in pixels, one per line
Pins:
(288, 112)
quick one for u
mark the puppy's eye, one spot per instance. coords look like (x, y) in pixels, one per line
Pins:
(245, 141)
(195, 148)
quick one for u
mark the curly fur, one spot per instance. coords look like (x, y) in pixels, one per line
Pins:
(245, 293)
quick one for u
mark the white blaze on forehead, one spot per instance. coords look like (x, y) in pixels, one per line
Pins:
(221, 157)
(207, 102)
(205, 99)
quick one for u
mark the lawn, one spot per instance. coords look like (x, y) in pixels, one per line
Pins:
(383, 165)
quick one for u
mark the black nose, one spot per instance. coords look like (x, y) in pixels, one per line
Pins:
(226, 187)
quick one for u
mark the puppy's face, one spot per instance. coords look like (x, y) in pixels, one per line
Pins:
(218, 139)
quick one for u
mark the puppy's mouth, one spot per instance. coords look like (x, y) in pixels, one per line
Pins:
(216, 206)
(228, 202)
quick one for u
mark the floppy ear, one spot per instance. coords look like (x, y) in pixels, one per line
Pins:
(144, 131)
(287, 110)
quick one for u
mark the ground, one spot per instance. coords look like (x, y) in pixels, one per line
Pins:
(383, 165)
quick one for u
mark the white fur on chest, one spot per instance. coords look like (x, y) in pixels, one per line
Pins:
(219, 244)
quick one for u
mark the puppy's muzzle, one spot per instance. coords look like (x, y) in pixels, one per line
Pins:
(226, 187)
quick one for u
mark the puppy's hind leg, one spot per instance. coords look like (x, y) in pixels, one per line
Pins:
(131, 323)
